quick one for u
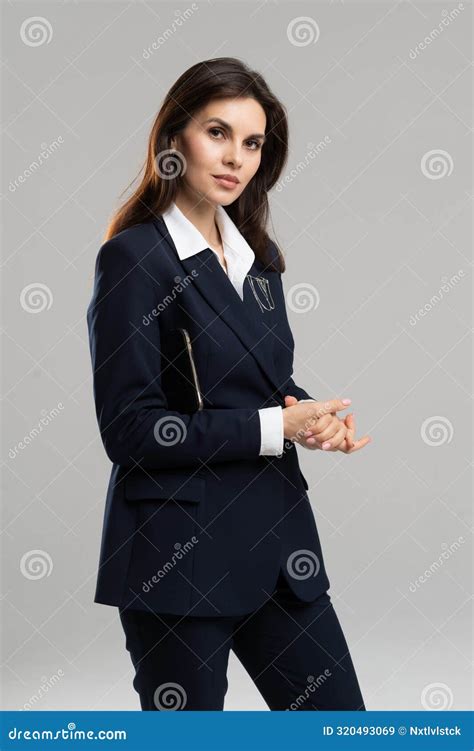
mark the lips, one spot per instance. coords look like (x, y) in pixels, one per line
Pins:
(228, 181)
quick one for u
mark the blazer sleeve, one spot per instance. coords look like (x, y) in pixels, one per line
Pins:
(131, 407)
(291, 388)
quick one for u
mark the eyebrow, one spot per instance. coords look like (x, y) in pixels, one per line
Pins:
(230, 129)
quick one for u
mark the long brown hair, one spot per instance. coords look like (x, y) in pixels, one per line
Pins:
(210, 79)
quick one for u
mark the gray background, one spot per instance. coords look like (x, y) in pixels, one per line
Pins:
(371, 226)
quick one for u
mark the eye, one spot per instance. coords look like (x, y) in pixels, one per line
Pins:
(253, 143)
(258, 144)
(215, 130)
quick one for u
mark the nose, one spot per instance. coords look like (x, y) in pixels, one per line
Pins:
(233, 155)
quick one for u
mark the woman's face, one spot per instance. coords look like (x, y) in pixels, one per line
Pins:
(224, 138)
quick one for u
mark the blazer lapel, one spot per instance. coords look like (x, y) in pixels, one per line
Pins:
(217, 290)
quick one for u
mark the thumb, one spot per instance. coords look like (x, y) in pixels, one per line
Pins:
(290, 401)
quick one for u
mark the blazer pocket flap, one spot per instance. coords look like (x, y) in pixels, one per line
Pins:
(164, 485)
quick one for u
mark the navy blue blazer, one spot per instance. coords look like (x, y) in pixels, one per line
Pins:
(196, 521)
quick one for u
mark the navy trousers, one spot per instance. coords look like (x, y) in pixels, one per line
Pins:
(295, 653)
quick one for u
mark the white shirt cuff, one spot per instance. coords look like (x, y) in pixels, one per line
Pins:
(271, 429)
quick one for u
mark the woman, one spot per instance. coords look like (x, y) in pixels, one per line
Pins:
(209, 540)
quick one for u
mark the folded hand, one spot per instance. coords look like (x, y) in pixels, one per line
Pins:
(331, 433)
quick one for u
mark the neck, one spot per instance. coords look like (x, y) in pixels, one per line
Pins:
(202, 214)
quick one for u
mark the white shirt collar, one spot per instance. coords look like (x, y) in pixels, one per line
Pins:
(188, 240)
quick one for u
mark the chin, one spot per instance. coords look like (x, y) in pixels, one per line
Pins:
(223, 196)
(218, 197)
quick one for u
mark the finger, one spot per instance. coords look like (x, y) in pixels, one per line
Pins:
(327, 427)
(290, 401)
(350, 422)
(338, 440)
(312, 446)
(312, 442)
(319, 425)
(331, 431)
(332, 405)
(360, 444)
(320, 436)
(309, 443)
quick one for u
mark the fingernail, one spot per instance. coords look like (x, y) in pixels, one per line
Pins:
(346, 401)
(326, 445)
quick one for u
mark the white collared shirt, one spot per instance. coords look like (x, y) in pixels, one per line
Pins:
(239, 257)
(238, 254)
